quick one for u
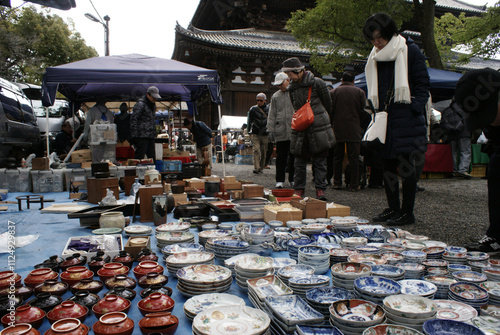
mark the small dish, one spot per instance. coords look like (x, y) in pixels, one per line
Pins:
(106, 231)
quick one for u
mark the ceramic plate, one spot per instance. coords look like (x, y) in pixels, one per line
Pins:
(369, 259)
(174, 236)
(173, 226)
(327, 295)
(224, 320)
(106, 231)
(309, 280)
(250, 263)
(391, 329)
(292, 309)
(189, 257)
(317, 330)
(468, 291)
(410, 306)
(283, 261)
(356, 313)
(199, 274)
(296, 270)
(203, 302)
(444, 327)
(417, 287)
(268, 286)
(387, 271)
(377, 286)
(454, 310)
(350, 270)
(487, 324)
(137, 229)
(470, 276)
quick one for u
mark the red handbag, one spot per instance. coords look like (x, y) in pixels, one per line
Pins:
(303, 118)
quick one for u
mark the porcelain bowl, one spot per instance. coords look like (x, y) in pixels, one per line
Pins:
(444, 327)
(356, 313)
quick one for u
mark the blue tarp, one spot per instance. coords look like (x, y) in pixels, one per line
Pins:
(442, 82)
(127, 77)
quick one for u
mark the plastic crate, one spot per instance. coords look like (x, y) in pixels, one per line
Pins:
(172, 166)
(125, 152)
(141, 170)
(45, 181)
(243, 159)
(102, 133)
(191, 170)
(104, 152)
(15, 180)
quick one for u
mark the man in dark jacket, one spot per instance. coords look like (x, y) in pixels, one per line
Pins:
(202, 135)
(257, 123)
(142, 124)
(348, 102)
(64, 140)
(122, 121)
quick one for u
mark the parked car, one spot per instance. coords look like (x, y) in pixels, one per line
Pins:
(19, 132)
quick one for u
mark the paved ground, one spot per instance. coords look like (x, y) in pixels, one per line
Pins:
(450, 210)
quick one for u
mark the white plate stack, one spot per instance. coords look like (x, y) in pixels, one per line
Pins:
(353, 316)
(231, 262)
(493, 289)
(442, 283)
(173, 227)
(209, 245)
(392, 258)
(388, 271)
(294, 245)
(470, 276)
(469, 293)
(260, 288)
(204, 235)
(256, 236)
(197, 304)
(492, 273)
(344, 274)
(342, 224)
(200, 279)
(455, 255)
(414, 256)
(180, 247)
(412, 270)
(315, 256)
(409, 310)
(392, 247)
(301, 284)
(167, 238)
(287, 272)
(353, 242)
(280, 262)
(135, 230)
(418, 287)
(314, 228)
(227, 249)
(434, 252)
(249, 267)
(341, 255)
(179, 260)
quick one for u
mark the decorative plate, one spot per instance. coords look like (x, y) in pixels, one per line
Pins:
(377, 286)
(387, 271)
(487, 324)
(454, 310)
(189, 257)
(309, 280)
(367, 259)
(268, 286)
(469, 276)
(200, 274)
(292, 309)
(199, 303)
(444, 327)
(350, 270)
(327, 295)
(137, 229)
(173, 226)
(410, 306)
(385, 329)
(356, 313)
(417, 287)
(468, 291)
(294, 270)
(250, 263)
(283, 261)
(106, 231)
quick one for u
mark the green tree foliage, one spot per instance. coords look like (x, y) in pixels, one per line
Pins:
(480, 35)
(332, 30)
(30, 41)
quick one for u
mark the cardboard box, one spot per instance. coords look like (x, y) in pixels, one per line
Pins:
(253, 191)
(337, 210)
(180, 198)
(198, 184)
(211, 178)
(111, 252)
(236, 185)
(282, 213)
(312, 208)
(229, 179)
(134, 249)
(146, 193)
(40, 163)
(79, 156)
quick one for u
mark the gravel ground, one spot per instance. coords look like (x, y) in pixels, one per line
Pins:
(451, 210)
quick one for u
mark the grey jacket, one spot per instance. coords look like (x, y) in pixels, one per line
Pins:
(280, 116)
(319, 137)
(142, 120)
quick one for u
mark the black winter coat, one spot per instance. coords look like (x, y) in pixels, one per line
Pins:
(257, 120)
(319, 136)
(142, 120)
(406, 123)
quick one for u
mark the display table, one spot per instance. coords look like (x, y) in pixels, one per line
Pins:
(183, 159)
(438, 158)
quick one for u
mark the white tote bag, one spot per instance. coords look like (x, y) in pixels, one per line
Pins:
(377, 128)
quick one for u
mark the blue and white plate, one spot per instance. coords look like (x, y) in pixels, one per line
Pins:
(181, 247)
(377, 286)
(470, 276)
(327, 295)
(318, 330)
(417, 287)
(388, 271)
(308, 280)
(455, 250)
(292, 309)
(446, 327)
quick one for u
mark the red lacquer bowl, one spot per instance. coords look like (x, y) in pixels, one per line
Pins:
(162, 322)
(20, 329)
(115, 323)
(68, 326)
(109, 270)
(147, 267)
(25, 314)
(111, 303)
(156, 302)
(74, 274)
(38, 276)
(68, 310)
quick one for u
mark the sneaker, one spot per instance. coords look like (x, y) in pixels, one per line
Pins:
(320, 194)
(266, 167)
(401, 219)
(486, 244)
(420, 188)
(299, 192)
(384, 216)
(256, 171)
(464, 175)
(279, 184)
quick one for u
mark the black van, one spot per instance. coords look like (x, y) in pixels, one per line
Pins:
(19, 133)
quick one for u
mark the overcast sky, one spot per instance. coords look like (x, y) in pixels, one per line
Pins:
(146, 27)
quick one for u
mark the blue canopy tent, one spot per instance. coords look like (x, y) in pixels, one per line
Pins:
(442, 82)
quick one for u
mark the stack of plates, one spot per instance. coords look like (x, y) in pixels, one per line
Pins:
(409, 310)
(344, 274)
(280, 262)
(434, 252)
(321, 298)
(419, 238)
(477, 256)
(197, 304)
(478, 266)
(414, 256)
(180, 247)
(437, 327)
(241, 320)
(182, 259)
(209, 245)
(317, 330)
(248, 267)
(353, 242)
(368, 249)
(418, 287)
(454, 310)
(315, 228)
(200, 279)
(470, 276)
(230, 263)
(286, 311)
(136, 230)
(301, 284)
(388, 271)
(392, 258)
(494, 263)
(413, 245)
(468, 293)
(412, 270)
(293, 246)
(260, 288)
(437, 266)
(317, 257)
(167, 238)
(493, 289)
(343, 224)
(394, 247)
(385, 329)
(369, 259)
(354, 316)
(341, 255)
(173, 227)
(375, 289)
(442, 283)
(455, 250)
(204, 235)
(227, 249)
(492, 273)
(458, 267)
(257, 235)
(287, 272)
(455, 255)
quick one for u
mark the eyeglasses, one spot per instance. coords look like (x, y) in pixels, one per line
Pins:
(260, 100)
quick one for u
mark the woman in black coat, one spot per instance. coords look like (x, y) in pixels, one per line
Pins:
(396, 73)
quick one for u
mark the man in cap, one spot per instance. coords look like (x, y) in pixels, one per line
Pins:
(256, 123)
(142, 124)
(279, 124)
(478, 94)
(202, 135)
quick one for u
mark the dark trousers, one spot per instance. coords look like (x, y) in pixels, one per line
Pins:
(329, 165)
(494, 195)
(404, 165)
(270, 149)
(144, 146)
(284, 162)
(353, 157)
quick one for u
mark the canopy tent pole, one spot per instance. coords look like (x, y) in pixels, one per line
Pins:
(47, 131)
(222, 144)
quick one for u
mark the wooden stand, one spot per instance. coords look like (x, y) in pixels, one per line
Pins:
(128, 181)
(96, 188)
(146, 197)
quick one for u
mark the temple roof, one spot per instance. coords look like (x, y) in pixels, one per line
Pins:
(458, 5)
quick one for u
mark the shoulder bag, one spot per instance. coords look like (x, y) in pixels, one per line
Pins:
(303, 118)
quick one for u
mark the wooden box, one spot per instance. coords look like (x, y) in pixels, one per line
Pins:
(135, 249)
(128, 181)
(146, 200)
(229, 179)
(40, 163)
(282, 213)
(311, 208)
(198, 184)
(180, 198)
(253, 191)
(79, 156)
(96, 188)
(337, 210)
(232, 185)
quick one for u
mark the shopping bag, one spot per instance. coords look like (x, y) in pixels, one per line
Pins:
(303, 118)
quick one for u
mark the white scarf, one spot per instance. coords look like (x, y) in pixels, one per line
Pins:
(396, 49)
